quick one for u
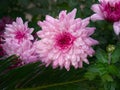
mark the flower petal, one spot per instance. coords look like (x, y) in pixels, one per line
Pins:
(62, 15)
(72, 14)
(96, 17)
(96, 8)
(116, 27)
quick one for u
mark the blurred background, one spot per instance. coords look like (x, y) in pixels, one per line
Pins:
(31, 9)
(34, 10)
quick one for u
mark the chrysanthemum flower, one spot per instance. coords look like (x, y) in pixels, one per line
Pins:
(65, 41)
(18, 30)
(24, 50)
(17, 41)
(107, 10)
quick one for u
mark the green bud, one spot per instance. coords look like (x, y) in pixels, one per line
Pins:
(110, 48)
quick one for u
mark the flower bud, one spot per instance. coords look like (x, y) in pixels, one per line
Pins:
(110, 48)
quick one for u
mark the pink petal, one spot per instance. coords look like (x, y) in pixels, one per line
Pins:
(72, 14)
(19, 20)
(50, 19)
(62, 15)
(96, 8)
(40, 23)
(67, 65)
(85, 22)
(90, 31)
(96, 17)
(116, 27)
(86, 61)
(55, 64)
(80, 64)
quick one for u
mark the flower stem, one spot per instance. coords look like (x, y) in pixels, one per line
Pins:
(109, 58)
(52, 85)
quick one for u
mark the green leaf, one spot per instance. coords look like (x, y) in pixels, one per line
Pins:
(101, 56)
(99, 68)
(4, 64)
(16, 77)
(91, 75)
(116, 54)
(113, 70)
(109, 86)
(107, 77)
(35, 76)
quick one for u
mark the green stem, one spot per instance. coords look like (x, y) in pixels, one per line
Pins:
(109, 58)
(51, 85)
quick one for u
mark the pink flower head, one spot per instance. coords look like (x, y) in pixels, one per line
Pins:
(18, 30)
(65, 41)
(24, 50)
(107, 10)
(17, 37)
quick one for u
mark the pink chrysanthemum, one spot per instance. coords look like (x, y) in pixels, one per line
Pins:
(24, 50)
(107, 10)
(18, 30)
(17, 41)
(65, 41)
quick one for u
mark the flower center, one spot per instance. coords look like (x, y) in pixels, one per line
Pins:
(111, 13)
(64, 40)
(20, 35)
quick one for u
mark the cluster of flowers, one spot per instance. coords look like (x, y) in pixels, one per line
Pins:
(19, 41)
(64, 41)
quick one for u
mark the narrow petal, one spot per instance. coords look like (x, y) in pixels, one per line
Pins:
(67, 65)
(96, 17)
(96, 8)
(62, 15)
(72, 14)
(90, 31)
(85, 22)
(19, 20)
(50, 19)
(39, 23)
